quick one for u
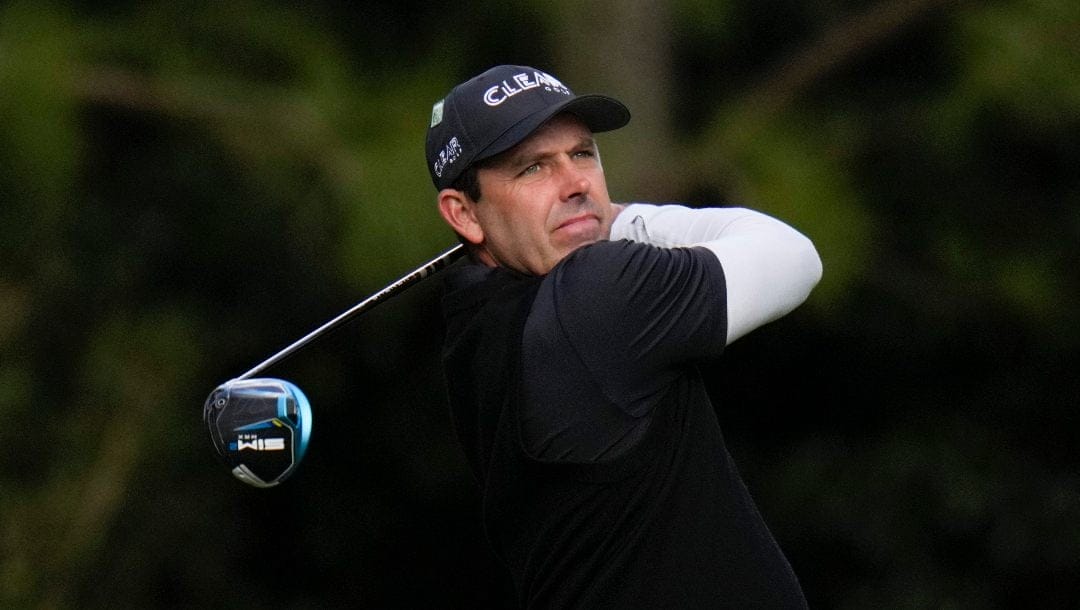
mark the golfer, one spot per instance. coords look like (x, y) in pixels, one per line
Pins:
(574, 333)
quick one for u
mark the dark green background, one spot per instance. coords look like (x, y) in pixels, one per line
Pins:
(187, 187)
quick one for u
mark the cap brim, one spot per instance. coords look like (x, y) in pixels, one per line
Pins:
(598, 112)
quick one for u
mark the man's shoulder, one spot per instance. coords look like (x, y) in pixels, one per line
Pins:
(598, 256)
(468, 286)
(619, 261)
(631, 277)
(601, 275)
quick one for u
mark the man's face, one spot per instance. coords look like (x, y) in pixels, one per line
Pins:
(544, 198)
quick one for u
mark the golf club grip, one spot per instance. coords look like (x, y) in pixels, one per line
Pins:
(367, 304)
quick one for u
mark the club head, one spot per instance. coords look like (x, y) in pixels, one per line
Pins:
(260, 427)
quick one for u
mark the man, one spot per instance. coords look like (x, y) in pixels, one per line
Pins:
(573, 335)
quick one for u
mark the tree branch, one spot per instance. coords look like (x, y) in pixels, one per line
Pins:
(838, 45)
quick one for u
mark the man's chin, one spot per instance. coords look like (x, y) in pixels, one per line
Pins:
(580, 233)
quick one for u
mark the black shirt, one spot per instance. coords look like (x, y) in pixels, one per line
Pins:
(604, 475)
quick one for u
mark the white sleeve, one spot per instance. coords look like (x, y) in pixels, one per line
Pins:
(769, 267)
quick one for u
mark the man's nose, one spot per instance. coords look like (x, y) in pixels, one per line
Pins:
(575, 183)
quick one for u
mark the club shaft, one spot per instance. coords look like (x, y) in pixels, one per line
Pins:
(367, 304)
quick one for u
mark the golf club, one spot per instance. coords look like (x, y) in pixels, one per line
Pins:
(261, 426)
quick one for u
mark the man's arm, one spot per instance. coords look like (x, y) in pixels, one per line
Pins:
(769, 267)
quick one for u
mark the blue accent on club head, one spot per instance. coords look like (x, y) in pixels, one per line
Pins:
(303, 412)
(269, 423)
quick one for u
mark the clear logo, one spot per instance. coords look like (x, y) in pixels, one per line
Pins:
(447, 155)
(522, 82)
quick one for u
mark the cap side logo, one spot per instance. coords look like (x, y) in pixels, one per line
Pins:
(436, 113)
(450, 153)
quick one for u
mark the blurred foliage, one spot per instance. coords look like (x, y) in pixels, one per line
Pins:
(186, 187)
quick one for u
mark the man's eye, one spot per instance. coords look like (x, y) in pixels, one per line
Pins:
(532, 169)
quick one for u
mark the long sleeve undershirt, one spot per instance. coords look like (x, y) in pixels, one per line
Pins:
(770, 268)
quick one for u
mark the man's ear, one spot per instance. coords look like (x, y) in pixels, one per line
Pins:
(460, 213)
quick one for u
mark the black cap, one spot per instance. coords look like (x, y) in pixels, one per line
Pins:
(492, 112)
